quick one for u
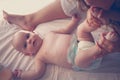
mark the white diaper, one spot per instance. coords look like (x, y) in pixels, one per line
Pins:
(85, 45)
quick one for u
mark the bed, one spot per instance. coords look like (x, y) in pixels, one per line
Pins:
(9, 57)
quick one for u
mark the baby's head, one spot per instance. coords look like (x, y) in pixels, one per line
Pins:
(27, 42)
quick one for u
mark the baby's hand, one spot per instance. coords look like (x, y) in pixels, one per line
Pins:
(17, 74)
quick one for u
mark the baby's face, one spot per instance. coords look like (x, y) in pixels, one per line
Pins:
(27, 42)
(104, 4)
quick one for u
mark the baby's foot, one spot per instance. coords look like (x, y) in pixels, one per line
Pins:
(116, 27)
(100, 14)
(92, 20)
(110, 42)
(112, 36)
(18, 20)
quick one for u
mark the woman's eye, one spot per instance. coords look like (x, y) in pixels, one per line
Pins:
(25, 45)
(27, 36)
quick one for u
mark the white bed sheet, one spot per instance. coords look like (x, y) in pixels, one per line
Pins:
(13, 59)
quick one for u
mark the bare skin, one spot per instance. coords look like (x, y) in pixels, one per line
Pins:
(108, 17)
(29, 22)
(57, 53)
(54, 11)
(107, 13)
(92, 23)
(7, 72)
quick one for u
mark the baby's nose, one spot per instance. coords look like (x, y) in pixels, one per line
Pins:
(29, 41)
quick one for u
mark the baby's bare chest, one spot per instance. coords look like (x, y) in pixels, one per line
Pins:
(57, 48)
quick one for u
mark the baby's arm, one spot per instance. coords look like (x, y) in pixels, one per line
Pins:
(39, 69)
(85, 57)
(90, 24)
(104, 46)
(70, 27)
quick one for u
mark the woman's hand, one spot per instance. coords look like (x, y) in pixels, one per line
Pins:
(108, 45)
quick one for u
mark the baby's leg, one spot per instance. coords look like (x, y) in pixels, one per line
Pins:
(84, 32)
(87, 51)
(90, 24)
(29, 22)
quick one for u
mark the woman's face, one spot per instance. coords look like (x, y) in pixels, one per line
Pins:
(104, 4)
(90, 2)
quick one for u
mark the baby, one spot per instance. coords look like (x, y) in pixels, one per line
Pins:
(59, 47)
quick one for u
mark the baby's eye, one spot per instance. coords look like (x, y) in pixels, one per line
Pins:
(25, 45)
(27, 35)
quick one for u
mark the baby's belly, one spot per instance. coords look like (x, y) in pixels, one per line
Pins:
(61, 60)
(58, 56)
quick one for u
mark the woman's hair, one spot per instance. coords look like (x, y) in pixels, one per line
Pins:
(82, 5)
